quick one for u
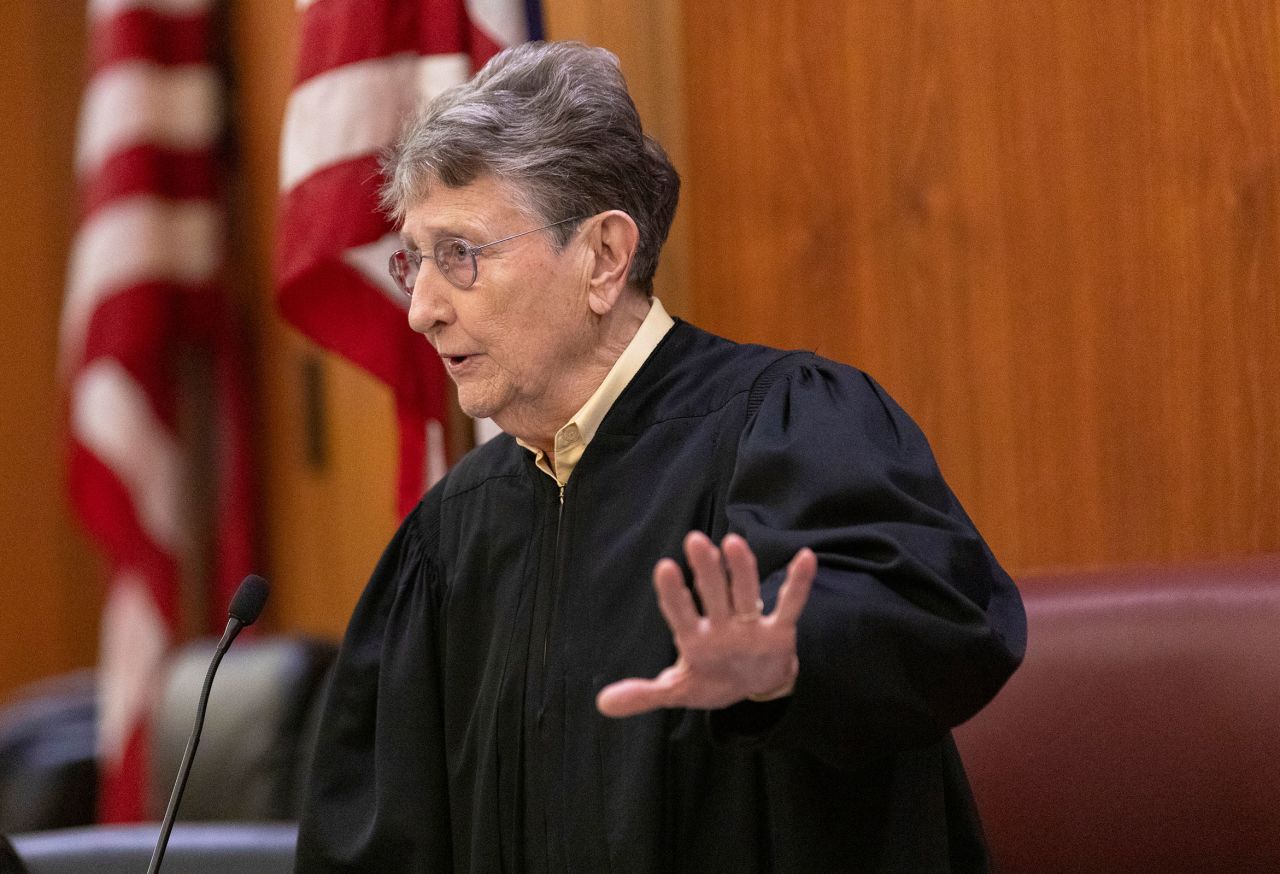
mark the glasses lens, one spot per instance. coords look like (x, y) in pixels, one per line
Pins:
(403, 267)
(456, 262)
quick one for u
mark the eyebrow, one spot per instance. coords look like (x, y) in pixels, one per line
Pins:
(438, 233)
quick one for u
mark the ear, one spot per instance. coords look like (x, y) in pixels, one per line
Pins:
(613, 243)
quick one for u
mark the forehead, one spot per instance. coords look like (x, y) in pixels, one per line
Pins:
(486, 205)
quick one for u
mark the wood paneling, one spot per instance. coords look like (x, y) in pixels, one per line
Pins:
(326, 523)
(50, 594)
(1049, 228)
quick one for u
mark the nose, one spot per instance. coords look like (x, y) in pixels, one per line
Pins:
(431, 306)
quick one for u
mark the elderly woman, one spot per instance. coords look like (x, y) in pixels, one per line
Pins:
(822, 610)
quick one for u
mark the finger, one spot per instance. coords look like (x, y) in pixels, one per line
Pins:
(632, 697)
(674, 599)
(708, 575)
(796, 587)
(744, 576)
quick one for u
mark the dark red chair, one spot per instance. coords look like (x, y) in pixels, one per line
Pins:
(1143, 731)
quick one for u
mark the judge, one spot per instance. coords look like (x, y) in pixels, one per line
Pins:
(702, 607)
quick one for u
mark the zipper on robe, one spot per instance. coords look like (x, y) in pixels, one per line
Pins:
(543, 819)
(555, 588)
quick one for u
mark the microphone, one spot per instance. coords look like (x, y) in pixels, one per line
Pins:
(245, 608)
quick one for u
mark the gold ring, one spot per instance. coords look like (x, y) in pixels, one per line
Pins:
(751, 617)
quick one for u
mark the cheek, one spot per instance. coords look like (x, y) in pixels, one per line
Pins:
(506, 337)
(530, 351)
(482, 321)
(530, 322)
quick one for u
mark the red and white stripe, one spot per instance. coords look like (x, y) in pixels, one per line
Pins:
(363, 67)
(142, 290)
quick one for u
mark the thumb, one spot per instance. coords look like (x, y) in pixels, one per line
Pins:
(631, 697)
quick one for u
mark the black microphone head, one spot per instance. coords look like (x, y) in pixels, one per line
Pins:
(247, 604)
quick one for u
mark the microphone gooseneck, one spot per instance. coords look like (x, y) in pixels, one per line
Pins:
(245, 608)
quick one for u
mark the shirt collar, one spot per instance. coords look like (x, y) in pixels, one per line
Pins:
(572, 439)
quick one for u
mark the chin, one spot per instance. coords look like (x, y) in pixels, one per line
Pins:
(479, 405)
(475, 410)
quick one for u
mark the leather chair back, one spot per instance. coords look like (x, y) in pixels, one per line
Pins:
(256, 731)
(1141, 732)
(48, 767)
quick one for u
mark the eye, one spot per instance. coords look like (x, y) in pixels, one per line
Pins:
(452, 253)
(453, 257)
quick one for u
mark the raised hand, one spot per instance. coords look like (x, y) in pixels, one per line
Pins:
(729, 652)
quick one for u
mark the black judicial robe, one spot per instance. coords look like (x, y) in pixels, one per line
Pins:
(460, 731)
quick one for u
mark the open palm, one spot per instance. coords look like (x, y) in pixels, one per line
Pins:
(729, 652)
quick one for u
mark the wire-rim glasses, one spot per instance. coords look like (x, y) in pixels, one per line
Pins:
(455, 259)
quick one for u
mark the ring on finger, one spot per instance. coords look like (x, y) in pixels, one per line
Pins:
(753, 615)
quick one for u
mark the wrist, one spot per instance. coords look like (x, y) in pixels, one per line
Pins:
(780, 691)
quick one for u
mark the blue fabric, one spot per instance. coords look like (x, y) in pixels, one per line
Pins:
(533, 10)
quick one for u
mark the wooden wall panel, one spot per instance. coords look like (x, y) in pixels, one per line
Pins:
(326, 524)
(49, 594)
(1049, 228)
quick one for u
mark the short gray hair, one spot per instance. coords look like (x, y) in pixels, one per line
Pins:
(555, 121)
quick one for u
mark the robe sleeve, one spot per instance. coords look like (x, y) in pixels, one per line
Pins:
(376, 794)
(911, 626)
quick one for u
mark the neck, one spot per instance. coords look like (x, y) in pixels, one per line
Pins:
(613, 332)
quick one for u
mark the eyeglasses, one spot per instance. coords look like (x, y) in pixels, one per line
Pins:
(455, 258)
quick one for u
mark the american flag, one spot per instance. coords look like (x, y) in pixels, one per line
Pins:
(363, 66)
(142, 304)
